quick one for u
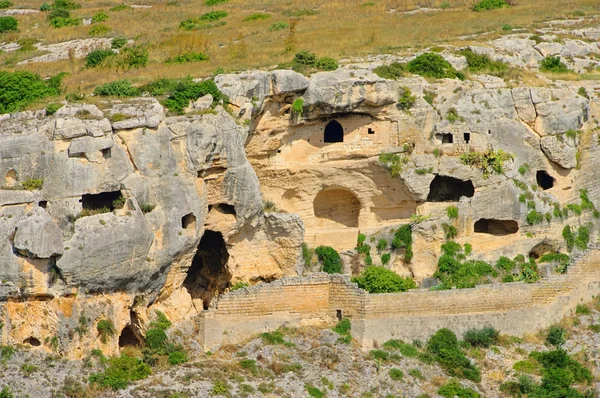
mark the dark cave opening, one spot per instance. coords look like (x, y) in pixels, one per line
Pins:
(449, 189)
(496, 227)
(100, 200)
(334, 132)
(208, 275)
(128, 338)
(32, 341)
(544, 180)
(188, 221)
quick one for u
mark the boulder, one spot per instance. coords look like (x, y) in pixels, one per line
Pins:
(288, 81)
(136, 113)
(560, 149)
(37, 236)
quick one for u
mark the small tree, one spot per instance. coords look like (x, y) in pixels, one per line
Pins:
(332, 263)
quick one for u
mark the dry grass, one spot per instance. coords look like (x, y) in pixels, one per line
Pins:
(342, 28)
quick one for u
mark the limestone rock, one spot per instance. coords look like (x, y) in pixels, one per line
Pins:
(346, 91)
(38, 236)
(137, 112)
(67, 128)
(561, 150)
(245, 87)
(92, 148)
(288, 81)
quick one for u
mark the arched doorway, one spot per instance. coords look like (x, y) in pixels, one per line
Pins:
(338, 205)
(334, 132)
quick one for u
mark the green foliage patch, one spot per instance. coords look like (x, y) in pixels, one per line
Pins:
(446, 350)
(8, 24)
(489, 163)
(20, 89)
(329, 257)
(433, 65)
(553, 65)
(485, 5)
(187, 58)
(382, 280)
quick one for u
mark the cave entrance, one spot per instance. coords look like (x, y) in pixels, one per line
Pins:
(188, 221)
(496, 227)
(334, 132)
(540, 249)
(11, 178)
(449, 189)
(208, 275)
(32, 341)
(103, 200)
(338, 205)
(128, 338)
(544, 180)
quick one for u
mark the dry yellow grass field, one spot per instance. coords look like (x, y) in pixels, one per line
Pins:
(340, 29)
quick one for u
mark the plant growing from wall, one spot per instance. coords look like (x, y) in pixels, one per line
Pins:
(403, 240)
(452, 212)
(406, 99)
(393, 163)
(105, 330)
(450, 231)
(382, 280)
(329, 257)
(297, 106)
(489, 163)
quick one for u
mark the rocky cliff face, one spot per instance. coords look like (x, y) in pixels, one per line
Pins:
(110, 211)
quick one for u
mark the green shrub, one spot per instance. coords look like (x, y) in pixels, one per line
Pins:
(382, 244)
(99, 17)
(489, 163)
(52, 108)
(8, 24)
(5, 4)
(120, 372)
(583, 237)
(433, 65)
(214, 2)
(188, 57)
(6, 392)
(450, 231)
(33, 184)
(121, 7)
(327, 64)
(484, 337)
(530, 366)
(407, 350)
(583, 92)
(65, 5)
(403, 240)
(133, 57)
(279, 26)
(275, 338)
(186, 90)
(385, 258)
(119, 88)
(392, 71)
(313, 391)
(569, 238)
(105, 329)
(249, 365)
(237, 286)
(257, 17)
(582, 309)
(332, 263)
(177, 357)
(379, 355)
(298, 106)
(490, 5)
(452, 212)
(406, 99)
(454, 389)
(444, 346)
(99, 30)
(558, 373)
(382, 280)
(213, 15)
(343, 326)
(556, 336)
(481, 62)
(118, 42)
(96, 58)
(396, 374)
(553, 65)
(156, 339)
(533, 217)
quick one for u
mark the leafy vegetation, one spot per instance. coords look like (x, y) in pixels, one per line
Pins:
(298, 106)
(382, 280)
(33, 184)
(483, 63)
(452, 212)
(403, 240)
(446, 350)
(553, 65)
(20, 89)
(556, 336)
(485, 5)
(484, 337)
(406, 99)
(307, 62)
(8, 24)
(97, 57)
(120, 372)
(489, 163)
(119, 88)
(433, 65)
(188, 57)
(453, 388)
(392, 71)
(105, 329)
(329, 257)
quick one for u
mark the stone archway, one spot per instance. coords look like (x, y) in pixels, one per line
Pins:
(10, 179)
(334, 132)
(338, 205)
